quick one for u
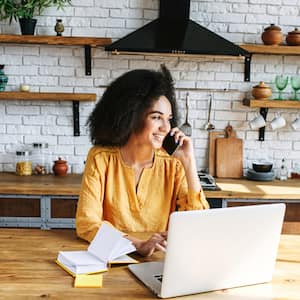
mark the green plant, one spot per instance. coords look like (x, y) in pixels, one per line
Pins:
(16, 9)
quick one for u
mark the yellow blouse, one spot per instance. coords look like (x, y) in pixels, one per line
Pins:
(108, 193)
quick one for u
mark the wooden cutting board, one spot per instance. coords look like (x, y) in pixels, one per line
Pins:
(229, 155)
(213, 135)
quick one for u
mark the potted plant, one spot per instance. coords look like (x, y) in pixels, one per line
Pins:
(24, 11)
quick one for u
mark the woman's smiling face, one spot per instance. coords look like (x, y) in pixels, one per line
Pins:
(156, 123)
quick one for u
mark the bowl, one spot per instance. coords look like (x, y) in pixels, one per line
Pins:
(262, 166)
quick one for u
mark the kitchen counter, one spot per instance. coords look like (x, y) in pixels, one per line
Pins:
(70, 185)
(10, 183)
(243, 188)
(49, 201)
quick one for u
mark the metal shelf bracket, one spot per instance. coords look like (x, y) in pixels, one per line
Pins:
(247, 67)
(263, 111)
(76, 118)
(88, 60)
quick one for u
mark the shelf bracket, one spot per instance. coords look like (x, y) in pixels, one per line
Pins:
(247, 67)
(76, 118)
(263, 111)
(88, 60)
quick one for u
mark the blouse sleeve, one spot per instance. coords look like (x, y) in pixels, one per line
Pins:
(188, 199)
(90, 204)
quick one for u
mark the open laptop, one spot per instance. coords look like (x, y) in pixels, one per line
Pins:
(216, 249)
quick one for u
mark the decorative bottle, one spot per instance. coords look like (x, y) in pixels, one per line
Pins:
(283, 172)
(59, 27)
(3, 78)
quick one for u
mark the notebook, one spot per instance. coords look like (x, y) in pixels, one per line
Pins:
(108, 247)
(216, 249)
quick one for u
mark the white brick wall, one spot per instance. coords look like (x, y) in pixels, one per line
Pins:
(61, 69)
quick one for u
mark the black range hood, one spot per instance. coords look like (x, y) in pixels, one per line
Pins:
(174, 33)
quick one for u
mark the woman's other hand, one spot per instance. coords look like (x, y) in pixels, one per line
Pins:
(157, 241)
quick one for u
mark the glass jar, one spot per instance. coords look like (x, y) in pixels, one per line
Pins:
(40, 158)
(3, 78)
(23, 163)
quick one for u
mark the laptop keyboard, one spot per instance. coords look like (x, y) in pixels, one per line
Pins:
(159, 277)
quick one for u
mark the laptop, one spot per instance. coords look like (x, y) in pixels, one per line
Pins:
(215, 249)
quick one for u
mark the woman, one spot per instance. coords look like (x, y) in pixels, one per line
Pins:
(129, 181)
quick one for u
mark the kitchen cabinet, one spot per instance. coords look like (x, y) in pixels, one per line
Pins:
(40, 211)
(86, 42)
(37, 96)
(42, 201)
(264, 105)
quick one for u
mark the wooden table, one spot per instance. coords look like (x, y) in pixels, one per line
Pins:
(28, 271)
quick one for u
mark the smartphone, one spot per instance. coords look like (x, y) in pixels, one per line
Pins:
(169, 144)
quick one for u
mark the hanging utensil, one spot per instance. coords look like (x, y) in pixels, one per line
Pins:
(209, 126)
(186, 126)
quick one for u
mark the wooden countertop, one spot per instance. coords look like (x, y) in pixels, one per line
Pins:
(70, 185)
(243, 189)
(11, 183)
(28, 271)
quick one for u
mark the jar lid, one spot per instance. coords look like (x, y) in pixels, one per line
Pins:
(261, 85)
(23, 153)
(296, 31)
(40, 145)
(60, 161)
(273, 27)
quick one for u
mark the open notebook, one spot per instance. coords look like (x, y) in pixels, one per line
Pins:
(108, 247)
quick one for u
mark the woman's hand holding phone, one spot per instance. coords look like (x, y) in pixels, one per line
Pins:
(179, 145)
(185, 153)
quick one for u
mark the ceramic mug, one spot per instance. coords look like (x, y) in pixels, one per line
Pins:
(257, 122)
(296, 124)
(278, 122)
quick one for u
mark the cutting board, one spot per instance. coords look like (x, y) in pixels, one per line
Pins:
(213, 135)
(229, 155)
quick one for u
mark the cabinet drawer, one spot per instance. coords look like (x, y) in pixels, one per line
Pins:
(63, 208)
(20, 207)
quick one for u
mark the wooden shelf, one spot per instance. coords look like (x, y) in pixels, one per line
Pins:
(54, 40)
(86, 42)
(263, 103)
(274, 49)
(27, 96)
(35, 96)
